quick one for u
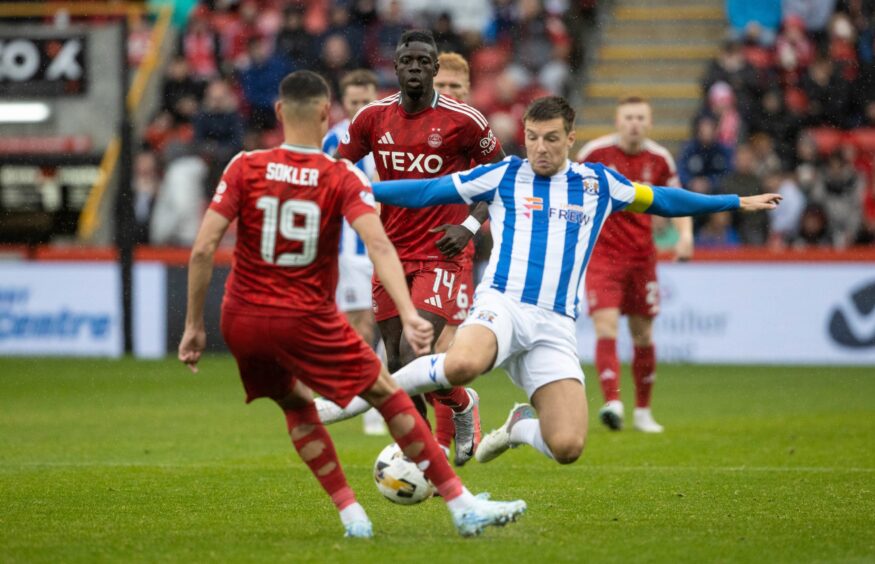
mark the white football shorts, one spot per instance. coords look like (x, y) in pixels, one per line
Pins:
(535, 346)
(354, 283)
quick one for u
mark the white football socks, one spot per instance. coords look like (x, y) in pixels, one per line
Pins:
(352, 513)
(461, 503)
(424, 374)
(528, 431)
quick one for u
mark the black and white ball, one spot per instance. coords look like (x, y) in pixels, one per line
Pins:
(399, 479)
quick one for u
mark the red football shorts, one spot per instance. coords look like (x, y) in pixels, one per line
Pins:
(631, 287)
(319, 350)
(432, 286)
(464, 294)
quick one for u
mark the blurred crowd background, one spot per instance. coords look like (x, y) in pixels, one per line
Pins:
(788, 104)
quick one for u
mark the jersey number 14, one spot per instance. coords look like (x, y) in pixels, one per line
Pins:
(282, 218)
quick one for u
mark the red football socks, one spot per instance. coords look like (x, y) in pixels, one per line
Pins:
(414, 438)
(444, 428)
(644, 372)
(456, 399)
(607, 365)
(316, 449)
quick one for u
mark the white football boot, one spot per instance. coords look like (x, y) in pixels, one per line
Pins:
(611, 414)
(643, 421)
(498, 441)
(359, 530)
(483, 513)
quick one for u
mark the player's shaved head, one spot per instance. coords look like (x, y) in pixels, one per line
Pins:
(302, 92)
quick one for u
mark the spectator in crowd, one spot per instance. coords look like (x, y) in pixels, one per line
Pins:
(784, 221)
(794, 50)
(446, 37)
(199, 44)
(843, 46)
(341, 23)
(147, 179)
(293, 41)
(335, 60)
(841, 197)
(180, 202)
(808, 173)
(139, 39)
(752, 228)
(864, 97)
(731, 67)
(541, 48)
(180, 88)
(260, 79)
(218, 127)
(762, 17)
(721, 107)
(828, 94)
(704, 161)
(765, 156)
(772, 119)
(166, 132)
(717, 232)
(813, 228)
(238, 32)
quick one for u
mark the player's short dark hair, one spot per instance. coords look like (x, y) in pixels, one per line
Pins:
(358, 77)
(303, 86)
(417, 36)
(551, 107)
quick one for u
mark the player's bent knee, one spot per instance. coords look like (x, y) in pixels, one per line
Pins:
(461, 370)
(566, 449)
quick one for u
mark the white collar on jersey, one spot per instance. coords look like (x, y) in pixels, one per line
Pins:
(301, 149)
(434, 102)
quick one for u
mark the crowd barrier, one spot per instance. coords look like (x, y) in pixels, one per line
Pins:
(748, 307)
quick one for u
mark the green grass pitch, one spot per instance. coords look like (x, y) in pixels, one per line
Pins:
(143, 461)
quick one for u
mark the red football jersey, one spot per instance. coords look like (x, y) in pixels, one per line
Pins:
(290, 202)
(628, 236)
(444, 138)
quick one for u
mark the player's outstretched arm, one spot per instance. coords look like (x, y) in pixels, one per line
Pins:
(417, 331)
(200, 271)
(675, 202)
(418, 193)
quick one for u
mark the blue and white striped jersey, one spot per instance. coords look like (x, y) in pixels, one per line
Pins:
(351, 245)
(543, 228)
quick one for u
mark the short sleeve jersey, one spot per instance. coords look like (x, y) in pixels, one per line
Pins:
(290, 203)
(627, 237)
(444, 138)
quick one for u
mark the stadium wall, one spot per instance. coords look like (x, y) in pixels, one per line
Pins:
(748, 309)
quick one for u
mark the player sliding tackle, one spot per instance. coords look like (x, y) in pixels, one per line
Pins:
(279, 317)
(546, 215)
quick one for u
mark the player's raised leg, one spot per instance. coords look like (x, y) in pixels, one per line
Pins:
(644, 372)
(470, 514)
(556, 426)
(607, 365)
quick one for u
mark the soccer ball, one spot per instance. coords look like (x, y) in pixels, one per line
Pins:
(399, 479)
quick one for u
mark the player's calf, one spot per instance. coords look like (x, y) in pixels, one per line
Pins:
(316, 449)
